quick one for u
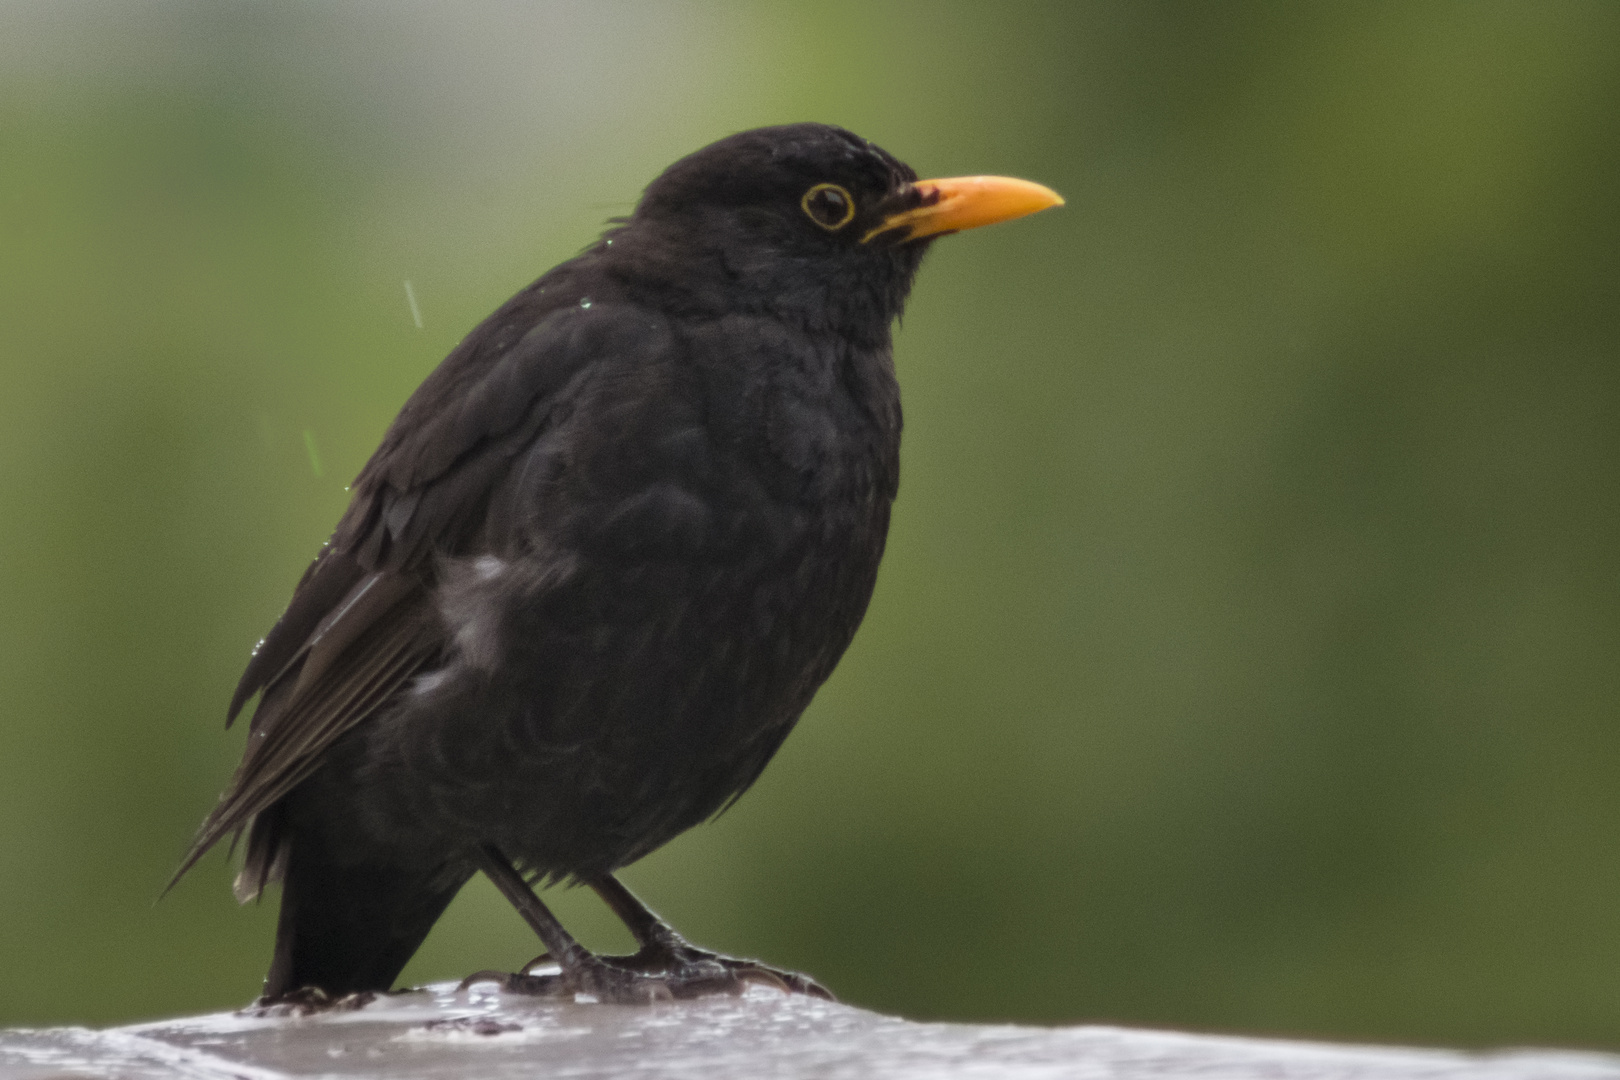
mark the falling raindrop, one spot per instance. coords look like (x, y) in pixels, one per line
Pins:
(410, 298)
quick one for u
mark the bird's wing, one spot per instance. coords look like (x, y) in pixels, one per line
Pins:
(362, 621)
(382, 633)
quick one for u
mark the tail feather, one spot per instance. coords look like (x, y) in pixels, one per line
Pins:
(265, 857)
(349, 928)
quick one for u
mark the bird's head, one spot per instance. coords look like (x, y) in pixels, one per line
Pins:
(809, 220)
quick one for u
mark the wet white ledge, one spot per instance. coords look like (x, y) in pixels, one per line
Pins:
(442, 1033)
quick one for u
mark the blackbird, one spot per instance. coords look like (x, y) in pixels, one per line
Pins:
(599, 565)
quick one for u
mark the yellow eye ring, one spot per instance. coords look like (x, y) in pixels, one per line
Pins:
(829, 206)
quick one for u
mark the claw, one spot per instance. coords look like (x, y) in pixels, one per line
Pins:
(543, 958)
(308, 1001)
(794, 983)
(656, 990)
(486, 975)
(536, 985)
(810, 988)
(765, 977)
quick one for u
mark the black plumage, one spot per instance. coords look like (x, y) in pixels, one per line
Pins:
(599, 565)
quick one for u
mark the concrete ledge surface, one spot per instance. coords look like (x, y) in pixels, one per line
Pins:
(441, 1033)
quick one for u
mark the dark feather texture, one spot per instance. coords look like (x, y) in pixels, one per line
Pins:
(598, 566)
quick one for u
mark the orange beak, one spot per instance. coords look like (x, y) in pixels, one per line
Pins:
(966, 202)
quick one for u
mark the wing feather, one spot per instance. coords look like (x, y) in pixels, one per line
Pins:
(362, 621)
(293, 727)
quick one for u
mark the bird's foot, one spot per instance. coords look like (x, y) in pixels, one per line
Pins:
(679, 955)
(600, 979)
(306, 1001)
(661, 972)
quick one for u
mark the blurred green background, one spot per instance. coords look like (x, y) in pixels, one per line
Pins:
(1245, 656)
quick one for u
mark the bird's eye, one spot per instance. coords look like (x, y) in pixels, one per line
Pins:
(829, 206)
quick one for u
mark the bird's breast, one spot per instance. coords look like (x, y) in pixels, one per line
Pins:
(676, 564)
(816, 415)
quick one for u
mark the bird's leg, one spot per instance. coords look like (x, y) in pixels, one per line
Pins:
(583, 972)
(665, 950)
(558, 941)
